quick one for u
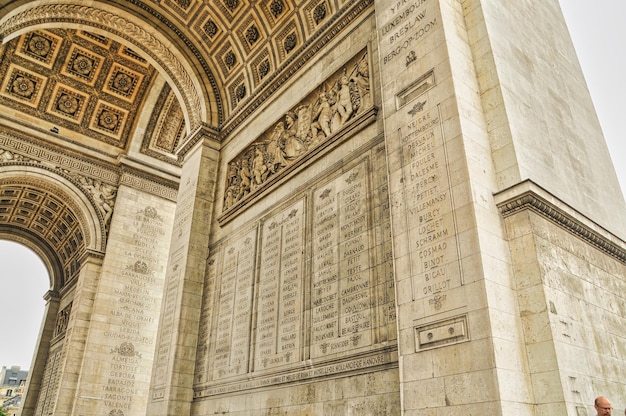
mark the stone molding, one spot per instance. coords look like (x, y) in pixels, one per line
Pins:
(56, 157)
(529, 196)
(384, 359)
(202, 132)
(62, 161)
(143, 182)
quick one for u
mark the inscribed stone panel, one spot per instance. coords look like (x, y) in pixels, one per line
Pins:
(432, 234)
(234, 303)
(279, 302)
(341, 276)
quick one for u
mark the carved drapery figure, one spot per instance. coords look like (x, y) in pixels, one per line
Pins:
(293, 146)
(276, 148)
(103, 195)
(320, 115)
(343, 109)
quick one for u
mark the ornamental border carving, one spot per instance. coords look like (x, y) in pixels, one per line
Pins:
(137, 180)
(56, 157)
(58, 160)
(120, 26)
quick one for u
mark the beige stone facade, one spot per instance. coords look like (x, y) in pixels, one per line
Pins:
(311, 207)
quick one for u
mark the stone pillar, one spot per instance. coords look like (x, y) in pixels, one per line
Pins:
(65, 357)
(459, 330)
(117, 307)
(38, 366)
(173, 372)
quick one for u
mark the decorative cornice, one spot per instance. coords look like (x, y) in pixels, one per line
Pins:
(112, 23)
(56, 156)
(139, 180)
(531, 200)
(202, 132)
(36, 129)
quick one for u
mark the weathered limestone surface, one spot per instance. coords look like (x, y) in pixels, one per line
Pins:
(119, 346)
(172, 374)
(384, 207)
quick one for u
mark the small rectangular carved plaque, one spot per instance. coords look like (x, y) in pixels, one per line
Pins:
(441, 333)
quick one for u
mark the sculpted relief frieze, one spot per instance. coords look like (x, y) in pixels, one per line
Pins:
(306, 128)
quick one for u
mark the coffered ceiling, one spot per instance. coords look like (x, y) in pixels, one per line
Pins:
(75, 80)
(96, 70)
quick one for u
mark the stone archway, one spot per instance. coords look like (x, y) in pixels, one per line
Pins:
(49, 213)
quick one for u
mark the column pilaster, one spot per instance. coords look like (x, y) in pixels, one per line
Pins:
(173, 372)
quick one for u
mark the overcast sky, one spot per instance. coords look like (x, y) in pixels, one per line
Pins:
(598, 29)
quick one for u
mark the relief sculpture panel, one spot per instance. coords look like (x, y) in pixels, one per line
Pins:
(318, 118)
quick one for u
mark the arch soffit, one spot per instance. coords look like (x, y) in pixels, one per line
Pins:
(81, 204)
(125, 28)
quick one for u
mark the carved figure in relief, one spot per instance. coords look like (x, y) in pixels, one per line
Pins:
(322, 116)
(293, 146)
(232, 174)
(259, 168)
(276, 148)
(103, 195)
(343, 106)
(7, 156)
(244, 175)
(230, 197)
(107, 200)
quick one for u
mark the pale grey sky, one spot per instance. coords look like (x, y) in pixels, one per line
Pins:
(24, 280)
(597, 28)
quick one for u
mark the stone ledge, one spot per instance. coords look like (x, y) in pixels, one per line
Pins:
(529, 196)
